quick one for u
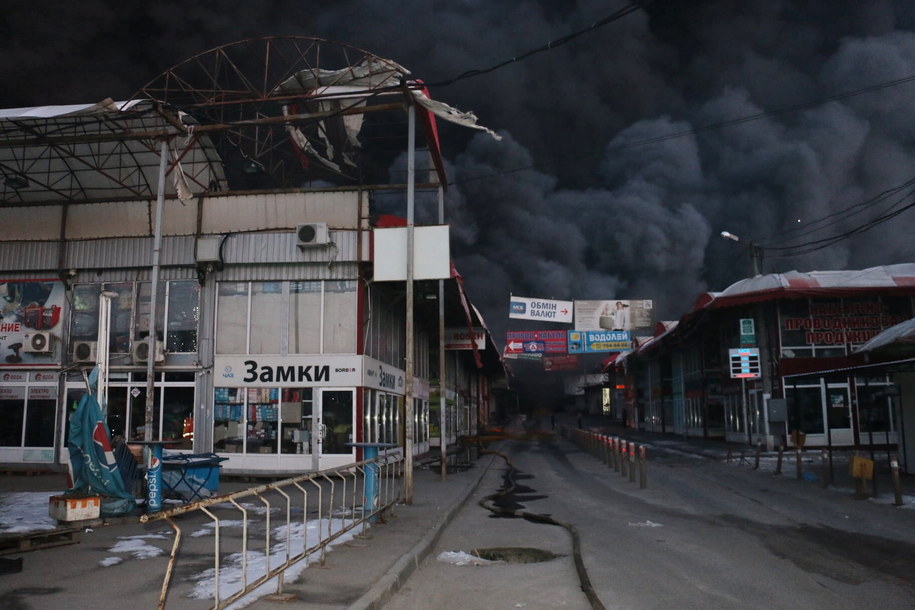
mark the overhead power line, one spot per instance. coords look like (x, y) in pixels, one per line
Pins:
(547, 47)
(817, 225)
(813, 246)
(708, 127)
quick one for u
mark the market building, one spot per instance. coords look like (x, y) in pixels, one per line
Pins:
(235, 188)
(776, 359)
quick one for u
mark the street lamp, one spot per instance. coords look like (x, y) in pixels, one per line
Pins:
(755, 250)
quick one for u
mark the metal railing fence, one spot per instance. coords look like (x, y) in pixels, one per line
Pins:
(259, 533)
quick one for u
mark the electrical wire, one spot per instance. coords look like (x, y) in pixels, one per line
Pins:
(819, 224)
(813, 246)
(547, 47)
(706, 128)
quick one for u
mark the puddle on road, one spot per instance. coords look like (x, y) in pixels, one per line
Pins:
(485, 557)
(515, 554)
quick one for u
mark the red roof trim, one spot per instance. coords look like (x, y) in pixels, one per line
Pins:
(802, 282)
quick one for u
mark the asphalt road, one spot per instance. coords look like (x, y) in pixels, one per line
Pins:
(703, 534)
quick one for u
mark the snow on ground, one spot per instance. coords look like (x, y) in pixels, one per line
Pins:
(461, 558)
(22, 512)
(25, 511)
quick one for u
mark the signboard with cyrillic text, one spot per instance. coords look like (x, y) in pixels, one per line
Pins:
(583, 342)
(535, 342)
(461, 338)
(523, 308)
(744, 363)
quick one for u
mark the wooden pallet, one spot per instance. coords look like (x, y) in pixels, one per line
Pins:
(31, 541)
(24, 473)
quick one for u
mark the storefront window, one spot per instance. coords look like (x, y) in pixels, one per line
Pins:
(268, 317)
(232, 329)
(122, 308)
(305, 318)
(143, 310)
(875, 407)
(39, 421)
(12, 408)
(172, 407)
(262, 420)
(27, 410)
(130, 315)
(805, 409)
(340, 317)
(84, 321)
(183, 313)
(287, 318)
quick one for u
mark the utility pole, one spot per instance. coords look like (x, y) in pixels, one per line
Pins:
(754, 248)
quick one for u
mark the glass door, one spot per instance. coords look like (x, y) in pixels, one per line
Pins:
(327, 426)
(337, 416)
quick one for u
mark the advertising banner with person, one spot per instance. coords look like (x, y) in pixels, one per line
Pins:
(30, 322)
(614, 314)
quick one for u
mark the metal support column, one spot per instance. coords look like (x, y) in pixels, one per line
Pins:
(408, 386)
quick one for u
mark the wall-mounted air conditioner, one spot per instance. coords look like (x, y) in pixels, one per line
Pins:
(39, 343)
(139, 352)
(85, 351)
(312, 234)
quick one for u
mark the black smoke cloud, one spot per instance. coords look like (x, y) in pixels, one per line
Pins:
(601, 213)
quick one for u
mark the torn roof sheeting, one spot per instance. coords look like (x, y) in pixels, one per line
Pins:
(374, 74)
(103, 151)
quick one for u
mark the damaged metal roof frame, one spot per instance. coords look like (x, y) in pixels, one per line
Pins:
(97, 152)
(265, 113)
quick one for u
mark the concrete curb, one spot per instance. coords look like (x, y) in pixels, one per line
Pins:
(384, 589)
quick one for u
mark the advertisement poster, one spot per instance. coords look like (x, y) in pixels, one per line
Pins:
(615, 314)
(535, 342)
(588, 341)
(523, 308)
(30, 321)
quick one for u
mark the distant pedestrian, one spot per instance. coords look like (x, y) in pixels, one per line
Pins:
(580, 427)
(553, 421)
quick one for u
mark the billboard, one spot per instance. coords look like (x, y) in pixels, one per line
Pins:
(523, 308)
(614, 314)
(30, 322)
(461, 338)
(431, 253)
(536, 342)
(588, 341)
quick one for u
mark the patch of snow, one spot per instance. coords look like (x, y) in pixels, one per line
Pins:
(460, 558)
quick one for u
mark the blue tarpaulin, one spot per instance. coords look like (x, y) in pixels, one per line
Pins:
(95, 470)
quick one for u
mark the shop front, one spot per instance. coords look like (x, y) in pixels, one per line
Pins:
(28, 402)
(297, 413)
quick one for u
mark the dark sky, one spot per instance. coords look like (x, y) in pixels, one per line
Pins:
(605, 213)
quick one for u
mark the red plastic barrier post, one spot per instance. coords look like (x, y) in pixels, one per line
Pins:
(631, 462)
(643, 459)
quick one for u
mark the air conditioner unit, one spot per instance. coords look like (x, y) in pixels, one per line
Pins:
(312, 234)
(39, 343)
(139, 352)
(85, 351)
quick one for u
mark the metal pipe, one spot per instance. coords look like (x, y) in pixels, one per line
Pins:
(151, 338)
(443, 443)
(409, 369)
